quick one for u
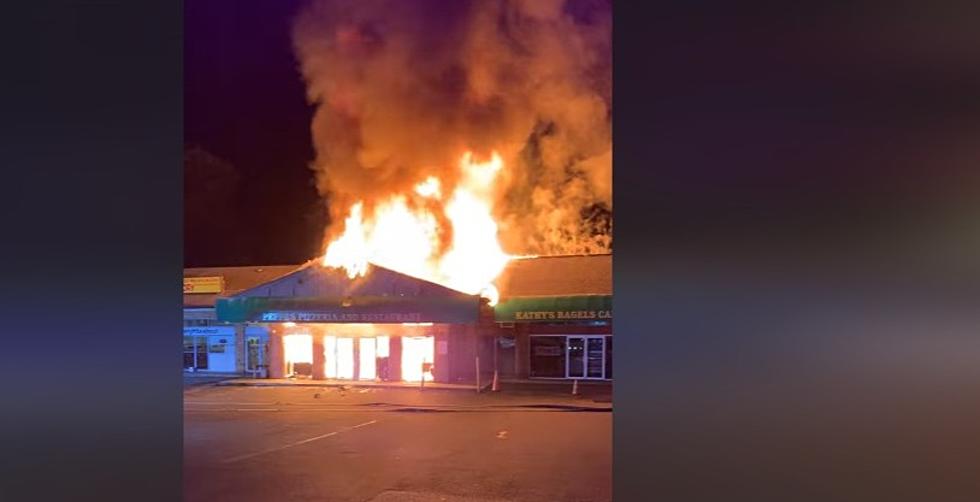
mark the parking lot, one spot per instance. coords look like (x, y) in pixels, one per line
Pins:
(280, 443)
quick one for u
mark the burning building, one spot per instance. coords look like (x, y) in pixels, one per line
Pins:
(553, 321)
(453, 140)
(382, 325)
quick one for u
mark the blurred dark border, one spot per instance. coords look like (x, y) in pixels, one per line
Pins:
(797, 253)
(91, 141)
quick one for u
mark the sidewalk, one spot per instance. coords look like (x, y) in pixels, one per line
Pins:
(598, 391)
(513, 391)
(198, 379)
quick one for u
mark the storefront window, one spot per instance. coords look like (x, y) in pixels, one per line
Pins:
(298, 351)
(608, 357)
(548, 356)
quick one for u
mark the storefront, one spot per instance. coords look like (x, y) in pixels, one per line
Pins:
(555, 318)
(209, 348)
(383, 326)
(553, 321)
(213, 346)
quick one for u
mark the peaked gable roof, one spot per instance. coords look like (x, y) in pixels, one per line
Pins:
(315, 280)
(314, 293)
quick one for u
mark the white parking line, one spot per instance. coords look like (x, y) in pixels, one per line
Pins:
(297, 443)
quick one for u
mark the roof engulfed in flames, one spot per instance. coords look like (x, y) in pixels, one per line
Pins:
(404, 237)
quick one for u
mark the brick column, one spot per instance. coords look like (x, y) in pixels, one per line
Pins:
(277, 356)
(357, 358)
(395, 358)
(522, 352)
(319, 359)
(240, 348)
(473, 338)
(441, 372)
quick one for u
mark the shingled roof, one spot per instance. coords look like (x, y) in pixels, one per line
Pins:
(236, 279)
(314, 280)
(568, 275)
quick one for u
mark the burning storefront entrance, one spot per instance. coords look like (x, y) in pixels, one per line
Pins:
(363, 352)
(382, 325)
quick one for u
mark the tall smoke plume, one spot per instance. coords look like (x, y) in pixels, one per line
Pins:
(403, 87)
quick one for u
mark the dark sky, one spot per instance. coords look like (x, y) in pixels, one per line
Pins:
(860, 105)
(244, 103)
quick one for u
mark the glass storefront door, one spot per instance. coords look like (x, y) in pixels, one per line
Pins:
(195, 353)
(576, 357)
(571, 356)
(339, 355)
(417, 350)
(189, 353)
(594, 355)
(345, 358)
(256, 354)
(368, 359)
(586, 357)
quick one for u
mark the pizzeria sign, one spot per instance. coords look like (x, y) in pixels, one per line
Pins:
(372, 317)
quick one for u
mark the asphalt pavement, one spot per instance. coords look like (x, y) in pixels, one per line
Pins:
(337, 444)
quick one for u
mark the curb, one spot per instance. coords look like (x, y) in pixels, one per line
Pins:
(315, 383)
(410, 408)
(485, 389)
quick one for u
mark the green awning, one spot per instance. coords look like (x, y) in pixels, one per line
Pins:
(358, 309)
(555, 309)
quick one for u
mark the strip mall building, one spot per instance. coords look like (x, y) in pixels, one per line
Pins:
(553, 321)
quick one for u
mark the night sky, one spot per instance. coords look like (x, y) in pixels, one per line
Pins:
(245, 110)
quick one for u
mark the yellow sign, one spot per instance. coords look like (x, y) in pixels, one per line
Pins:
(196, 285)
(562, 315)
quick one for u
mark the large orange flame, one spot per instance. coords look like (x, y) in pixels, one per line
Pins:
(405, 238)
